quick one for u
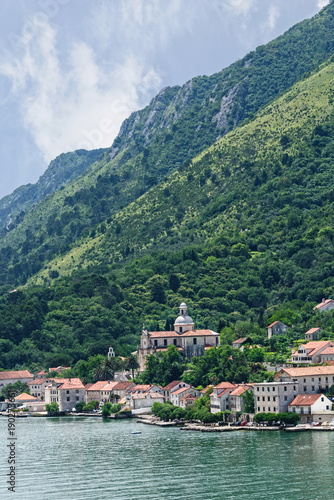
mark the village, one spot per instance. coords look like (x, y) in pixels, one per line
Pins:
(298, 386)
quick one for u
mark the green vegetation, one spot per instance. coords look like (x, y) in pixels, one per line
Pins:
(109, 408)
(52, 407)
(285, 418)
(242, 232)
(16, 389)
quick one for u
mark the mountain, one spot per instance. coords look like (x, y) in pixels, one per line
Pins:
(244, 233)
(153, 143)
(61, 171)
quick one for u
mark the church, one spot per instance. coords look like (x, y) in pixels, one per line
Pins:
(187, 340)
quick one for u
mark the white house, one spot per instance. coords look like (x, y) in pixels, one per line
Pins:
(310, 353)
(66, 392)
(308, 404)
(176, 396)
(276, 328)
(219, 398)
(11, 377)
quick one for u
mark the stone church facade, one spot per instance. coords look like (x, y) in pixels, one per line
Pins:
(185, 338)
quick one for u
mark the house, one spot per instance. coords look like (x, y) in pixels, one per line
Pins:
(274, 397)
(187, 400)
(173, 386)
(25, 398)
(325, 305)
(237, 344)
(312, 334)
(310, 353)
(145, 400)
(219, 399)
(185, 338)
(236, 399)
(309, 380)
(276, 328)
(11, 377)
(176, 396)
(327, 355)
(59, 369)
(93, 391)
(37, 386)
(66, 392)
(308, 404)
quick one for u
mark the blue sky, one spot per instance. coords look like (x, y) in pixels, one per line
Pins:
(72, 70)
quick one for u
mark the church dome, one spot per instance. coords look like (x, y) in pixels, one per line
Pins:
(184, 320)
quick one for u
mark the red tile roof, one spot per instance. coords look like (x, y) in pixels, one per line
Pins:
(122, 386)
(328, 350)
(97, 386)
(274, 323)
(312, 330)
(241, 389)
(71, 383)
(305, 371)
(39, 381)
(224, 385)
(240, 341)
(25, 397)
(15, 374)
(323, 303)
(171, 385)
(182, 389)
(305, 399)
(189, 333)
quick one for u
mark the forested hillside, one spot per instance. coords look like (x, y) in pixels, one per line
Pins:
(155, 142)
(61, 171)
(243, 233)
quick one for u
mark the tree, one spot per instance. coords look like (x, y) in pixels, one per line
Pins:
(248, 399)
(52, 407)
(79, 406)
(131, 363)
(16, 388)
(105, 370)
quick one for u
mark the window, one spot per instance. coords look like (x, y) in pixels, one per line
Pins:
(274, 409)
(174, 341)
(285, 398)
(155, 342)
(77, 391)
(285, 388)
(313, 388)
(304, 380)
(216, 340)
(262, 389)
(180, 329)
(305, 388)
(195, 341)
(319, 379)
(268, 389)
(67, 392)
(258, 398)
(274, 398)
(322, 399)
(294, 387)
(263, 398)
(258, 408)
(269, 408)
(268, 398)
(258, 388)
(312, 379)
(77, 398)
(165, 341)
(274, 389)
(263, 408)
(67, 399)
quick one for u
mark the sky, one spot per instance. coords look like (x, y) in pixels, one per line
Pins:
(72, 70)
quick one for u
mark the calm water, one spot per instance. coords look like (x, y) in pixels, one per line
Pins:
(82, 458)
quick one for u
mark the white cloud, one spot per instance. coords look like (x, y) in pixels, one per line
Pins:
(74, 103)
(273, 15)
(322, 3)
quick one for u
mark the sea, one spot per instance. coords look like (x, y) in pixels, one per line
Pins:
(78, 458)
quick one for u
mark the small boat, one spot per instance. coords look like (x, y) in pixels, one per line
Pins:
(136, 432)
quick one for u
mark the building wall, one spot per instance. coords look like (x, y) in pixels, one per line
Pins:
(274, 397)
(68, 398)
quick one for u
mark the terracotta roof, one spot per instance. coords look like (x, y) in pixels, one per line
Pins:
(240, 341)
(42, 372)
(25, 397)
(144, 395)
(97, 386)
(307, 370)
(224, 385)
(224, 391)
(71, 383)
(323, 303)
(141, 387)
(109, 387)
(165, 348)
(305, 399)
(203, 391)
(312, 330)
(39, 381)
(121, 386)
(240, 390)
(182, 389)
(16, 374)
(328, 350)
(88, 386)
(189, 333)
(274, 323)
(171, 385)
